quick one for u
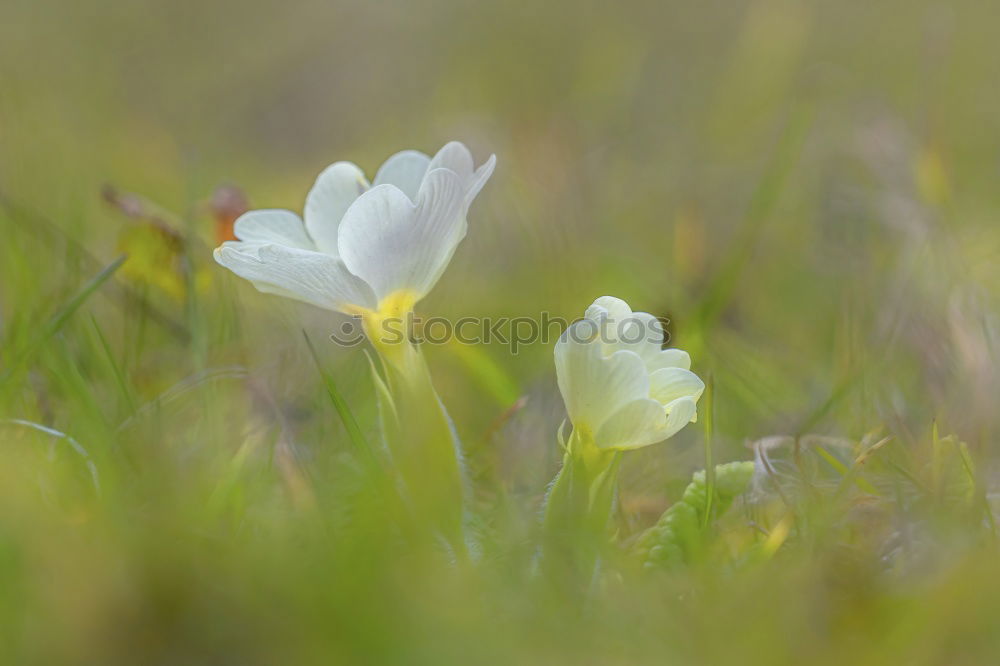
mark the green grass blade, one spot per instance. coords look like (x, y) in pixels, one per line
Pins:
(765, 198)
(115, 368)
(489, 374)
(59, 319)
(708, 417)
(358, 441)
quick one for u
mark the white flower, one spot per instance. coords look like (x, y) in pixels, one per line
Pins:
(376, 247)
(621, 389)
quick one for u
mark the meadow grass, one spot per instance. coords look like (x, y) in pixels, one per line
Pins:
(806, 190)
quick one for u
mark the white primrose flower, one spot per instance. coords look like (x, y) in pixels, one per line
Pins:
(621, 389)
(364, 248)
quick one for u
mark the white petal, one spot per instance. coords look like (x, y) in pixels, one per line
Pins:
(312, 277)
(608, 307)
(393, 244)
(624, 329)
(405, 170)
(279, 227)
(456, 157)
(679, 413)
(253, 250)
(640, 332)
(608, 313)
(336, 188)
(638, 423)
(669, 358)
(478, 180)
(669, 384)
(594, 386)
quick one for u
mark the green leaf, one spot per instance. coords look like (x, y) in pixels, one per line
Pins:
(679, 536)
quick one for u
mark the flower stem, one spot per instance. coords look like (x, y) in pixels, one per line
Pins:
(578, 512)
(423, 445)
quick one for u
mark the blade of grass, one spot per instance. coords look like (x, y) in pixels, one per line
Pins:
(125, 297)
(765, 198)
(838, 394)
(59, 319)
(840, 467)
(486, 372)
(853, 473)
(970, 469)
(70, 442)
(708, 417)
(115, 368)
(180, 389)
(357, 438)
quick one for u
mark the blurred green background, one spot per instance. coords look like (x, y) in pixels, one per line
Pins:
(808, 190)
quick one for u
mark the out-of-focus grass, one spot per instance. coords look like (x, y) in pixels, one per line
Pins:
(807, 190)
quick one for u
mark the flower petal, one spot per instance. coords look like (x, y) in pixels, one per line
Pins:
(405, 170)
(278, 227)
(393, 243)
(608, 313)
(478, 180)
(594, 386)
(312, 277)
(621, 328)
(252, 250)
(669, 384)
(336, 188)
(679, 413)
(609, 308)
(456, 157)
(636, 424)
(640, 332)
(669, 358)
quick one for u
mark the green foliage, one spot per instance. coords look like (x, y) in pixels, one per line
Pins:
(806, 190)
(679, 536)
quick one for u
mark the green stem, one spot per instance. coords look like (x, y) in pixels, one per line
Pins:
(578, 512)
(423, 445)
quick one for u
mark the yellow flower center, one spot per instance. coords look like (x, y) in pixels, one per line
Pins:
(388, 326)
